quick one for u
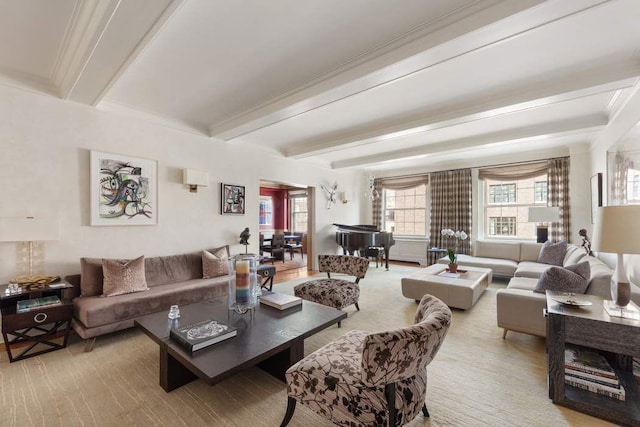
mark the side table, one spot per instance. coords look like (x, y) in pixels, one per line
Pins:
(591, 326)
(36, 329)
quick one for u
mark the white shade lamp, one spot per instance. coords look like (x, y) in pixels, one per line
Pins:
(194, 179)
(617, 231)
(543, 215)
(30, 232)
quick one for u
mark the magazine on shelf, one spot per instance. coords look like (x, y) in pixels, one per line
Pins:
(278, 300)
(586, 360)
(202, 334)
(616, 393)
(37, 303)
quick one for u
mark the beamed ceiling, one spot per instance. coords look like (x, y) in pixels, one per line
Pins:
(365, 84)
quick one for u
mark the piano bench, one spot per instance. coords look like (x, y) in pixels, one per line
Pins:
(374, 252)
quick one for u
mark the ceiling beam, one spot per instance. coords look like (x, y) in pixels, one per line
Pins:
(625, 118)
(104, 38)
(579, 85)
(528, 133)
(478, 26)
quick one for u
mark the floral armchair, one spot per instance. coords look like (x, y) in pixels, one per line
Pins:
(332, 292)
(377, 379)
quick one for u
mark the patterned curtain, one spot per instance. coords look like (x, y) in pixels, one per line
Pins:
(450, 208)
(377, 204)
(558, 192)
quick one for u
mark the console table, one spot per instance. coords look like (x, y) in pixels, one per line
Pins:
(35, 329)
(591, 326)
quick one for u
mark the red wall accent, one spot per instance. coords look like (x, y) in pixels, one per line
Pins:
(280, 208)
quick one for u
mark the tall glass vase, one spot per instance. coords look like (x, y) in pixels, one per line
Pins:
(243, 281)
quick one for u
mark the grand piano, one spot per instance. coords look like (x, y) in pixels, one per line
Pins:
(359, 237)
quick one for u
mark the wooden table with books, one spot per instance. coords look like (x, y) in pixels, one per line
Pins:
(590, 358)
(270, 338)
(35, 320)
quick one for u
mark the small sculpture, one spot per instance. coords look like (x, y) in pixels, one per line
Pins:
(586, 243)
(244, 239)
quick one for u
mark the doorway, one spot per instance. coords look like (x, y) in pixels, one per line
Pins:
(288, 207)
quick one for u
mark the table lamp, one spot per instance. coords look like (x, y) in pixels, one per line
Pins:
(30, 231)
(617, 231)
(542, 215)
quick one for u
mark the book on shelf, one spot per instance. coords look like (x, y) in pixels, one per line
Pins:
(278, 300)
(37, 303)
(592, 377)
(588, 361)
(202, 334)
(613, 392)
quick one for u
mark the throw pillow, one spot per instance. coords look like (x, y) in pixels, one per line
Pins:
(214, 264)
(123, 278)
(553, 253)
(582, 269)
(90, 277)
(561, 280)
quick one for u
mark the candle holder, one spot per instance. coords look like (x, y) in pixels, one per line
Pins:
(243, 280)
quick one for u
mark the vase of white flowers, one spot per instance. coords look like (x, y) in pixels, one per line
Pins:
(452, 253)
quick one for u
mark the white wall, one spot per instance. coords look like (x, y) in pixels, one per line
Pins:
(44, 171)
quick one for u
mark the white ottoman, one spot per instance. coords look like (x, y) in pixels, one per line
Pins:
(461, 290)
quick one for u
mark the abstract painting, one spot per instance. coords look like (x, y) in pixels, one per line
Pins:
(232, 199)
(123, 190)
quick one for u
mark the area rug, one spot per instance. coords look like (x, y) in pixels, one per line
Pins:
(476, 379)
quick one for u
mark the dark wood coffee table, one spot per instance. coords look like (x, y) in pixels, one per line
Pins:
(270, 338)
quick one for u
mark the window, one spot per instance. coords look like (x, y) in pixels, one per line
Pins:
(502, 226)
(266, 210)
(506, 206)
(502, 193)
(633, 186)
(405, 211)
(299, 212)
(540, 192)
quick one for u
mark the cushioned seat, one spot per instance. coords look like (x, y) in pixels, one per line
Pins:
(530, 269)
(332, 292)
(371, 379)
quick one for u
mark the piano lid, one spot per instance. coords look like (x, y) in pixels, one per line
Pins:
(361, 228)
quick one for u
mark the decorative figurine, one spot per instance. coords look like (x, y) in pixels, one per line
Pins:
(331, 194)
(586, 243)
(244, 239)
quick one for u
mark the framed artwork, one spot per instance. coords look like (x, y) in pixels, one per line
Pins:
(266, 210)
(596, 195)
(232, 198)
(124, 190)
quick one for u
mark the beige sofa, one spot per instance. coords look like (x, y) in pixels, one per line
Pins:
(175, 279)
(518, 307)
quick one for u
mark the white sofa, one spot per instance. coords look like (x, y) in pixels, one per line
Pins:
(518, 307)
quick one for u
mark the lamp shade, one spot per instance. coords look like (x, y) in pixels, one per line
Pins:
(28, 229)
(195, 177)
(617, 230)
(544, 214)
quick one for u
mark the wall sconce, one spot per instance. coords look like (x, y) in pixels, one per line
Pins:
(194, 178)
(343, 197)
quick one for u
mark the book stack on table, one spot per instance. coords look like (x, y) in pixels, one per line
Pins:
(589, 370)
(202, 334)
(37, 303)
(279, 301)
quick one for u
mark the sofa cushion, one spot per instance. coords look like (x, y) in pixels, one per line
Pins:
(91, 277)
(530, 269)
(501, 250)
(562, 280)
(123, 277)
(96, 311)
(500, 267)
(553, 253)
(215, 264)
(530, 251)
(582, 269)
(574, 255)
(176, 268)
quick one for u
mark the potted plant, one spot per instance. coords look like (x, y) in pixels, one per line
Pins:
(452, 253)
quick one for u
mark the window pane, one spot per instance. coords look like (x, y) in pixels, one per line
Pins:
(405, 211)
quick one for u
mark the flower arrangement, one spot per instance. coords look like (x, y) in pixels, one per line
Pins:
(458, 236)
